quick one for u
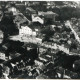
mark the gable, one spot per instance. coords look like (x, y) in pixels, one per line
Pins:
(37, 19)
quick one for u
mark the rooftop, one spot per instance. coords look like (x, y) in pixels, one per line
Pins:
(46, 13)
(30, 9)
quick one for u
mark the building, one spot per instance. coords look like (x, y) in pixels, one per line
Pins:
(2, 56)
(30, 11)
(50, 4)
(48, 16)
(36, 18)
(26, 31)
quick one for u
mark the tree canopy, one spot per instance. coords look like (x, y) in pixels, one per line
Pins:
(7, 25)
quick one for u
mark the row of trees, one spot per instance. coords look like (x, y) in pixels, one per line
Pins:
(66, 13)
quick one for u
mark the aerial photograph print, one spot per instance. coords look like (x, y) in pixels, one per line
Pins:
(39, 39)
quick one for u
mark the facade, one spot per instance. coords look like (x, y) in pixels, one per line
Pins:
(2, 56)
(36, 18)
(26, 31)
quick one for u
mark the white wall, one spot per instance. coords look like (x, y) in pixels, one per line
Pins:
(37, 19)
(2, 56)
(25, 30)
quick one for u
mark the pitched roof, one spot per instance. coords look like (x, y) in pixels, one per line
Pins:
(46, 13)
(30, 9)
(36, 18)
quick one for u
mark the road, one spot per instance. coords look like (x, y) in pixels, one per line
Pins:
(35, 41)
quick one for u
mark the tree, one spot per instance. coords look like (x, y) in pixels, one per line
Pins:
(48, 33)
(66, 13)
(76, 65)
(7, 25)
(59, 3)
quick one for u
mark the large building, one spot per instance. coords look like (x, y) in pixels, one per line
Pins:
(26, 31)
